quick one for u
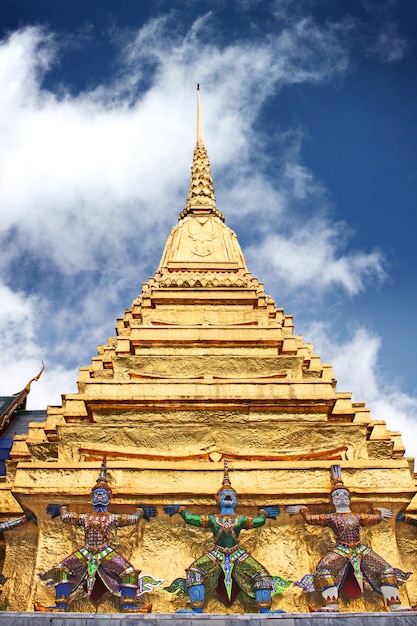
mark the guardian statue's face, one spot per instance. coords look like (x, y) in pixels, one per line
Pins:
(227, 499)
(100, 497)
(341, 497)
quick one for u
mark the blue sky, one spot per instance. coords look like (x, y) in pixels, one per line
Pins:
(310, 120)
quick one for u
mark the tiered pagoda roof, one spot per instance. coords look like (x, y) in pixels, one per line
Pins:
(204, 365)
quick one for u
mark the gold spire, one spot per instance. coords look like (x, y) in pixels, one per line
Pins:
(200, 139)
(201, 199)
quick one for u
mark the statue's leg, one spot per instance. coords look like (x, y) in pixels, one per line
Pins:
(331, 599)
(62, 594)
(196, 594)
(389, 589)
(195, 588)
(262, 584)
(58, 577)
(128, 590)
(263, 600)
(254, 580)
(325, 583)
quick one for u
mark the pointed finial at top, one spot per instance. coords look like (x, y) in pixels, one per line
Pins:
(102, 481)
(200, 139)
(336, 477)
(226, 479)
(201, 198)
(226, 484)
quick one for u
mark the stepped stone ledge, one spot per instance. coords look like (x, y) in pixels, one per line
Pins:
(255, 619)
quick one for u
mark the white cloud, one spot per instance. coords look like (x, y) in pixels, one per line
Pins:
(16, 313)
(355, 365)
(301, 246)
(309, 258)
(388, 45)
(22, 356)
(89, 163)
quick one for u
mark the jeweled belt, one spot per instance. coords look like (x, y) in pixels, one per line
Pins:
(226, 550)
(87, 552)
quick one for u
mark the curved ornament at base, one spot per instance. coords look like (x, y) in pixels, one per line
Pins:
(178, 587)
(147, 583)
(279, 585)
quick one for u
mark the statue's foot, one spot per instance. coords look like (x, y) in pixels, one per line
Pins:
(404, 609)
(38, 607)
(196, 611)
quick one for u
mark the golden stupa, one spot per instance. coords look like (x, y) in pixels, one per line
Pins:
(203, 365)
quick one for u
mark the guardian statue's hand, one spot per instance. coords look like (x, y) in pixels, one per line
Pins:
(148, 511)
(171, 509)
(294, 509)
(271, 511)
(54, 509)
(385, 513)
